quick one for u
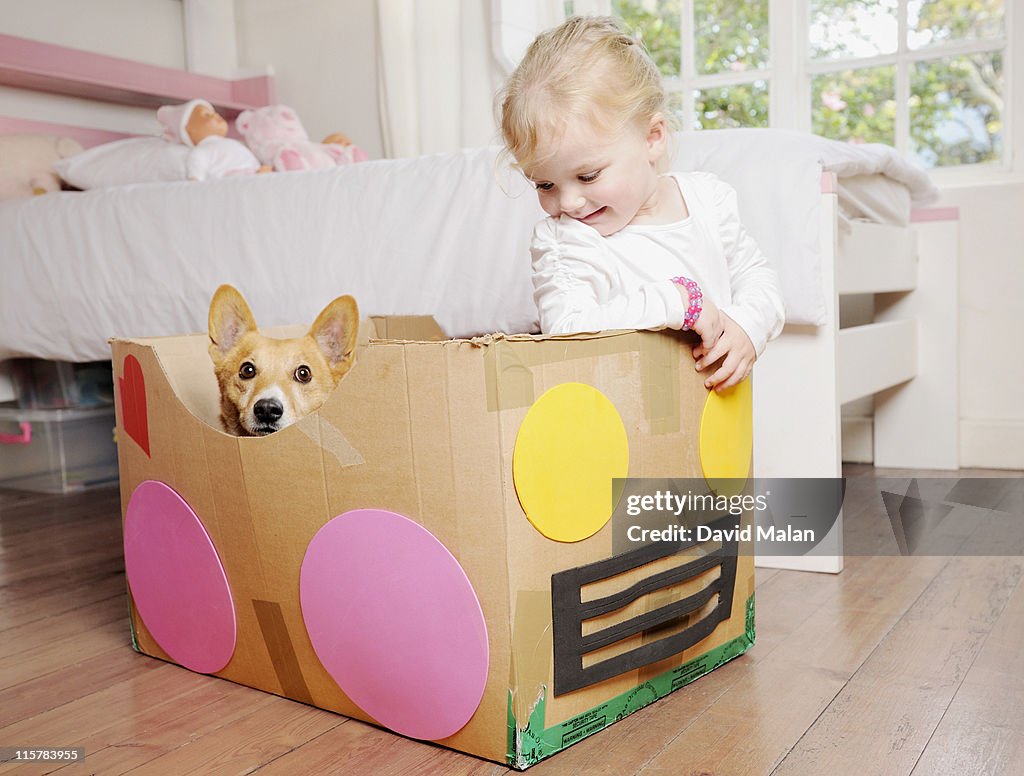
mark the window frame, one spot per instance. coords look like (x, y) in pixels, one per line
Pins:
(790, 62)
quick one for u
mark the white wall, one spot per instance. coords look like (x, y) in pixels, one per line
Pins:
(145, 30)
(324, 55)
(148, 31)
(992, 322)
(991, 354)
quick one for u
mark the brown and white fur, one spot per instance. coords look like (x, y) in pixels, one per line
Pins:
(267, 383)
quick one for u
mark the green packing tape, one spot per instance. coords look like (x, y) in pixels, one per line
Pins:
(531, 744)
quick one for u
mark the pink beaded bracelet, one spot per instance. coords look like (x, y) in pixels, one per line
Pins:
(696, 301)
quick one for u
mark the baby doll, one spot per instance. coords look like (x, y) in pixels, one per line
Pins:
(213, 154)
(341, 139)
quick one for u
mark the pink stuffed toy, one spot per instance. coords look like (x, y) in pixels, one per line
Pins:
(275, 134)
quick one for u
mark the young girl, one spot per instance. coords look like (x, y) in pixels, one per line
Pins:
(584, 116)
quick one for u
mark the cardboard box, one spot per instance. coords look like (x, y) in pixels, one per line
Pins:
(276, 591)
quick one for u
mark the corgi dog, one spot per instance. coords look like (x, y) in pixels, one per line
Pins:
(267, 384)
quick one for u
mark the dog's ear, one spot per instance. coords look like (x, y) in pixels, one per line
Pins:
(230, 318)
(335, 331)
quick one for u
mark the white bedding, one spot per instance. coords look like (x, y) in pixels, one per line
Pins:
(777, 176)
(432, 235)
(875, 198)
(445, 235)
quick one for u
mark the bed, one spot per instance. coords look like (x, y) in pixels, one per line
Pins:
(447, 235)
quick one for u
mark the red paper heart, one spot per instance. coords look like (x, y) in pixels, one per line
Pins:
(133, 402)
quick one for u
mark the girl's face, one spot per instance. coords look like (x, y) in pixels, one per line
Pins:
(600, 179)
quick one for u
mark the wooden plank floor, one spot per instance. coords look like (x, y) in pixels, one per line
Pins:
(899, 665)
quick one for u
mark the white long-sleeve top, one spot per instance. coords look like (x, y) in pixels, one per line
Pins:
(585, 282)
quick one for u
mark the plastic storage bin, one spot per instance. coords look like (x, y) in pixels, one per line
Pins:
(57, 451)
(42, 384)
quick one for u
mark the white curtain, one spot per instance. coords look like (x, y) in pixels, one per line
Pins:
(593, 7)
(515, 23)
(437, 75)
(442, 62)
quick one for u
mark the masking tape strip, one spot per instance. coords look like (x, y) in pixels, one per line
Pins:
(282, 653)
(530, 668)
(659, 382)
(509, 364)
(334, 442)
(407, 328)
(568, 614)
(367, 331)
(508, 375)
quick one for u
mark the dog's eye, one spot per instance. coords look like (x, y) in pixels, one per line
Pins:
(247, 371)
(303, 374)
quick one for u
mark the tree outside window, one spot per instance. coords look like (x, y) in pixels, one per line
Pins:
(927, 76)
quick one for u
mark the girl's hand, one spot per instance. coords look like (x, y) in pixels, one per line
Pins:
(734, 344)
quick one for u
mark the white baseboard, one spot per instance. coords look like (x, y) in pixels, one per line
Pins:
(991, 444)
(858, 439)
(984, 444)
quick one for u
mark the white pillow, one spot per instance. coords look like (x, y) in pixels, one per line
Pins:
(135, 160)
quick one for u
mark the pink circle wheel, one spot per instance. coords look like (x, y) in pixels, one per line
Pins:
(177, 580)
(395, 622)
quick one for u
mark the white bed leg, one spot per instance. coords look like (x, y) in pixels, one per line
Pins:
(917, 424)
(796, 406)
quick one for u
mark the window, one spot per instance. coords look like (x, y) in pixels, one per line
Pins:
(725, 82)
(927, 76)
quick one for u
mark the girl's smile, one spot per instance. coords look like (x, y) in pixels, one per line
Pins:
(606, 181)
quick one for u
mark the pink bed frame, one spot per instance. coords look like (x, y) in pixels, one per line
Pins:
(84, 135)
(44, 67)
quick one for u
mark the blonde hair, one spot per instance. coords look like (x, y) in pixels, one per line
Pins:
(588, 68)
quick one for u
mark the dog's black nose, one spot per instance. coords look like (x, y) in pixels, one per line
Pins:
(268, 411)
